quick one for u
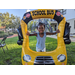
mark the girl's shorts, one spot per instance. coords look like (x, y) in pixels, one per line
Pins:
(39, 50)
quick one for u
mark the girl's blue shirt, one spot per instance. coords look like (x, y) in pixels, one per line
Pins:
(41, 41)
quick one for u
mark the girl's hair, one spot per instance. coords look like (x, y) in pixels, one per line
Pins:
(41, 24)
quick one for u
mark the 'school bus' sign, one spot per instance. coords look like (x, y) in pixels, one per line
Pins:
(42, 12)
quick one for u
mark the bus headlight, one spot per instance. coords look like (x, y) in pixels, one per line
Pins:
(61, 57)
(26, 58)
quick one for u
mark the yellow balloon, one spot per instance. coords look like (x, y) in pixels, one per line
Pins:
(60, 50)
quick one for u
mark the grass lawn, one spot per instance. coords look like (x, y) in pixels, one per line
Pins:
(13, 55)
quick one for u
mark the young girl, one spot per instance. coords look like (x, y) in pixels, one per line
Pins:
(41, 36)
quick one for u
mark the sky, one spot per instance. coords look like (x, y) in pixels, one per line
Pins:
(20, 12)
(15, 12)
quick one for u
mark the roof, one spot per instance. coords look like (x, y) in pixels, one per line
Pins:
(2, 27)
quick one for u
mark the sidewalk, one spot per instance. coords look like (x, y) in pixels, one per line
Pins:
(72, 39)
(11, 36)
(54, 36)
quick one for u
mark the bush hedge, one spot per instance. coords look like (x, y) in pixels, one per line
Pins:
(2, 34)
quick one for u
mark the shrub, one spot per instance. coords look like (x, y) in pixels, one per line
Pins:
(10, 33)
(3, 34)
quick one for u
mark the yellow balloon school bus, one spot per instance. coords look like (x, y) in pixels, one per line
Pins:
(55, 57)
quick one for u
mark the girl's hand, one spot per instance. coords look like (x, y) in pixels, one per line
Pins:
(28, 33)
(58, 31)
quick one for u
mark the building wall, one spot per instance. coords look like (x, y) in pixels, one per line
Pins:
(71, 21)
(70, 14)
(70, 17)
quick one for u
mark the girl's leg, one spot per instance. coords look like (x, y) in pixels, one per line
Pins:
(44, 50)
(37, 49)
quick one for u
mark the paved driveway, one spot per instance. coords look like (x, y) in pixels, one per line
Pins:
(11, 36)
(54, 36)
(72, 39)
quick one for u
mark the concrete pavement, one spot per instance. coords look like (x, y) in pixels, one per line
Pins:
(54, 36)
(11, 36)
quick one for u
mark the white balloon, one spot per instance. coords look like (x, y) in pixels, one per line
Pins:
(27, 10)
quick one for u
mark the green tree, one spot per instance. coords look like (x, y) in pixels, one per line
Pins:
(8, 20)
(30, 25)
(5, 19)
(15, 22)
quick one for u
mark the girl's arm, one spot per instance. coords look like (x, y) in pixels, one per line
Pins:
(47, 33)
(53, 33)
(31, 34)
